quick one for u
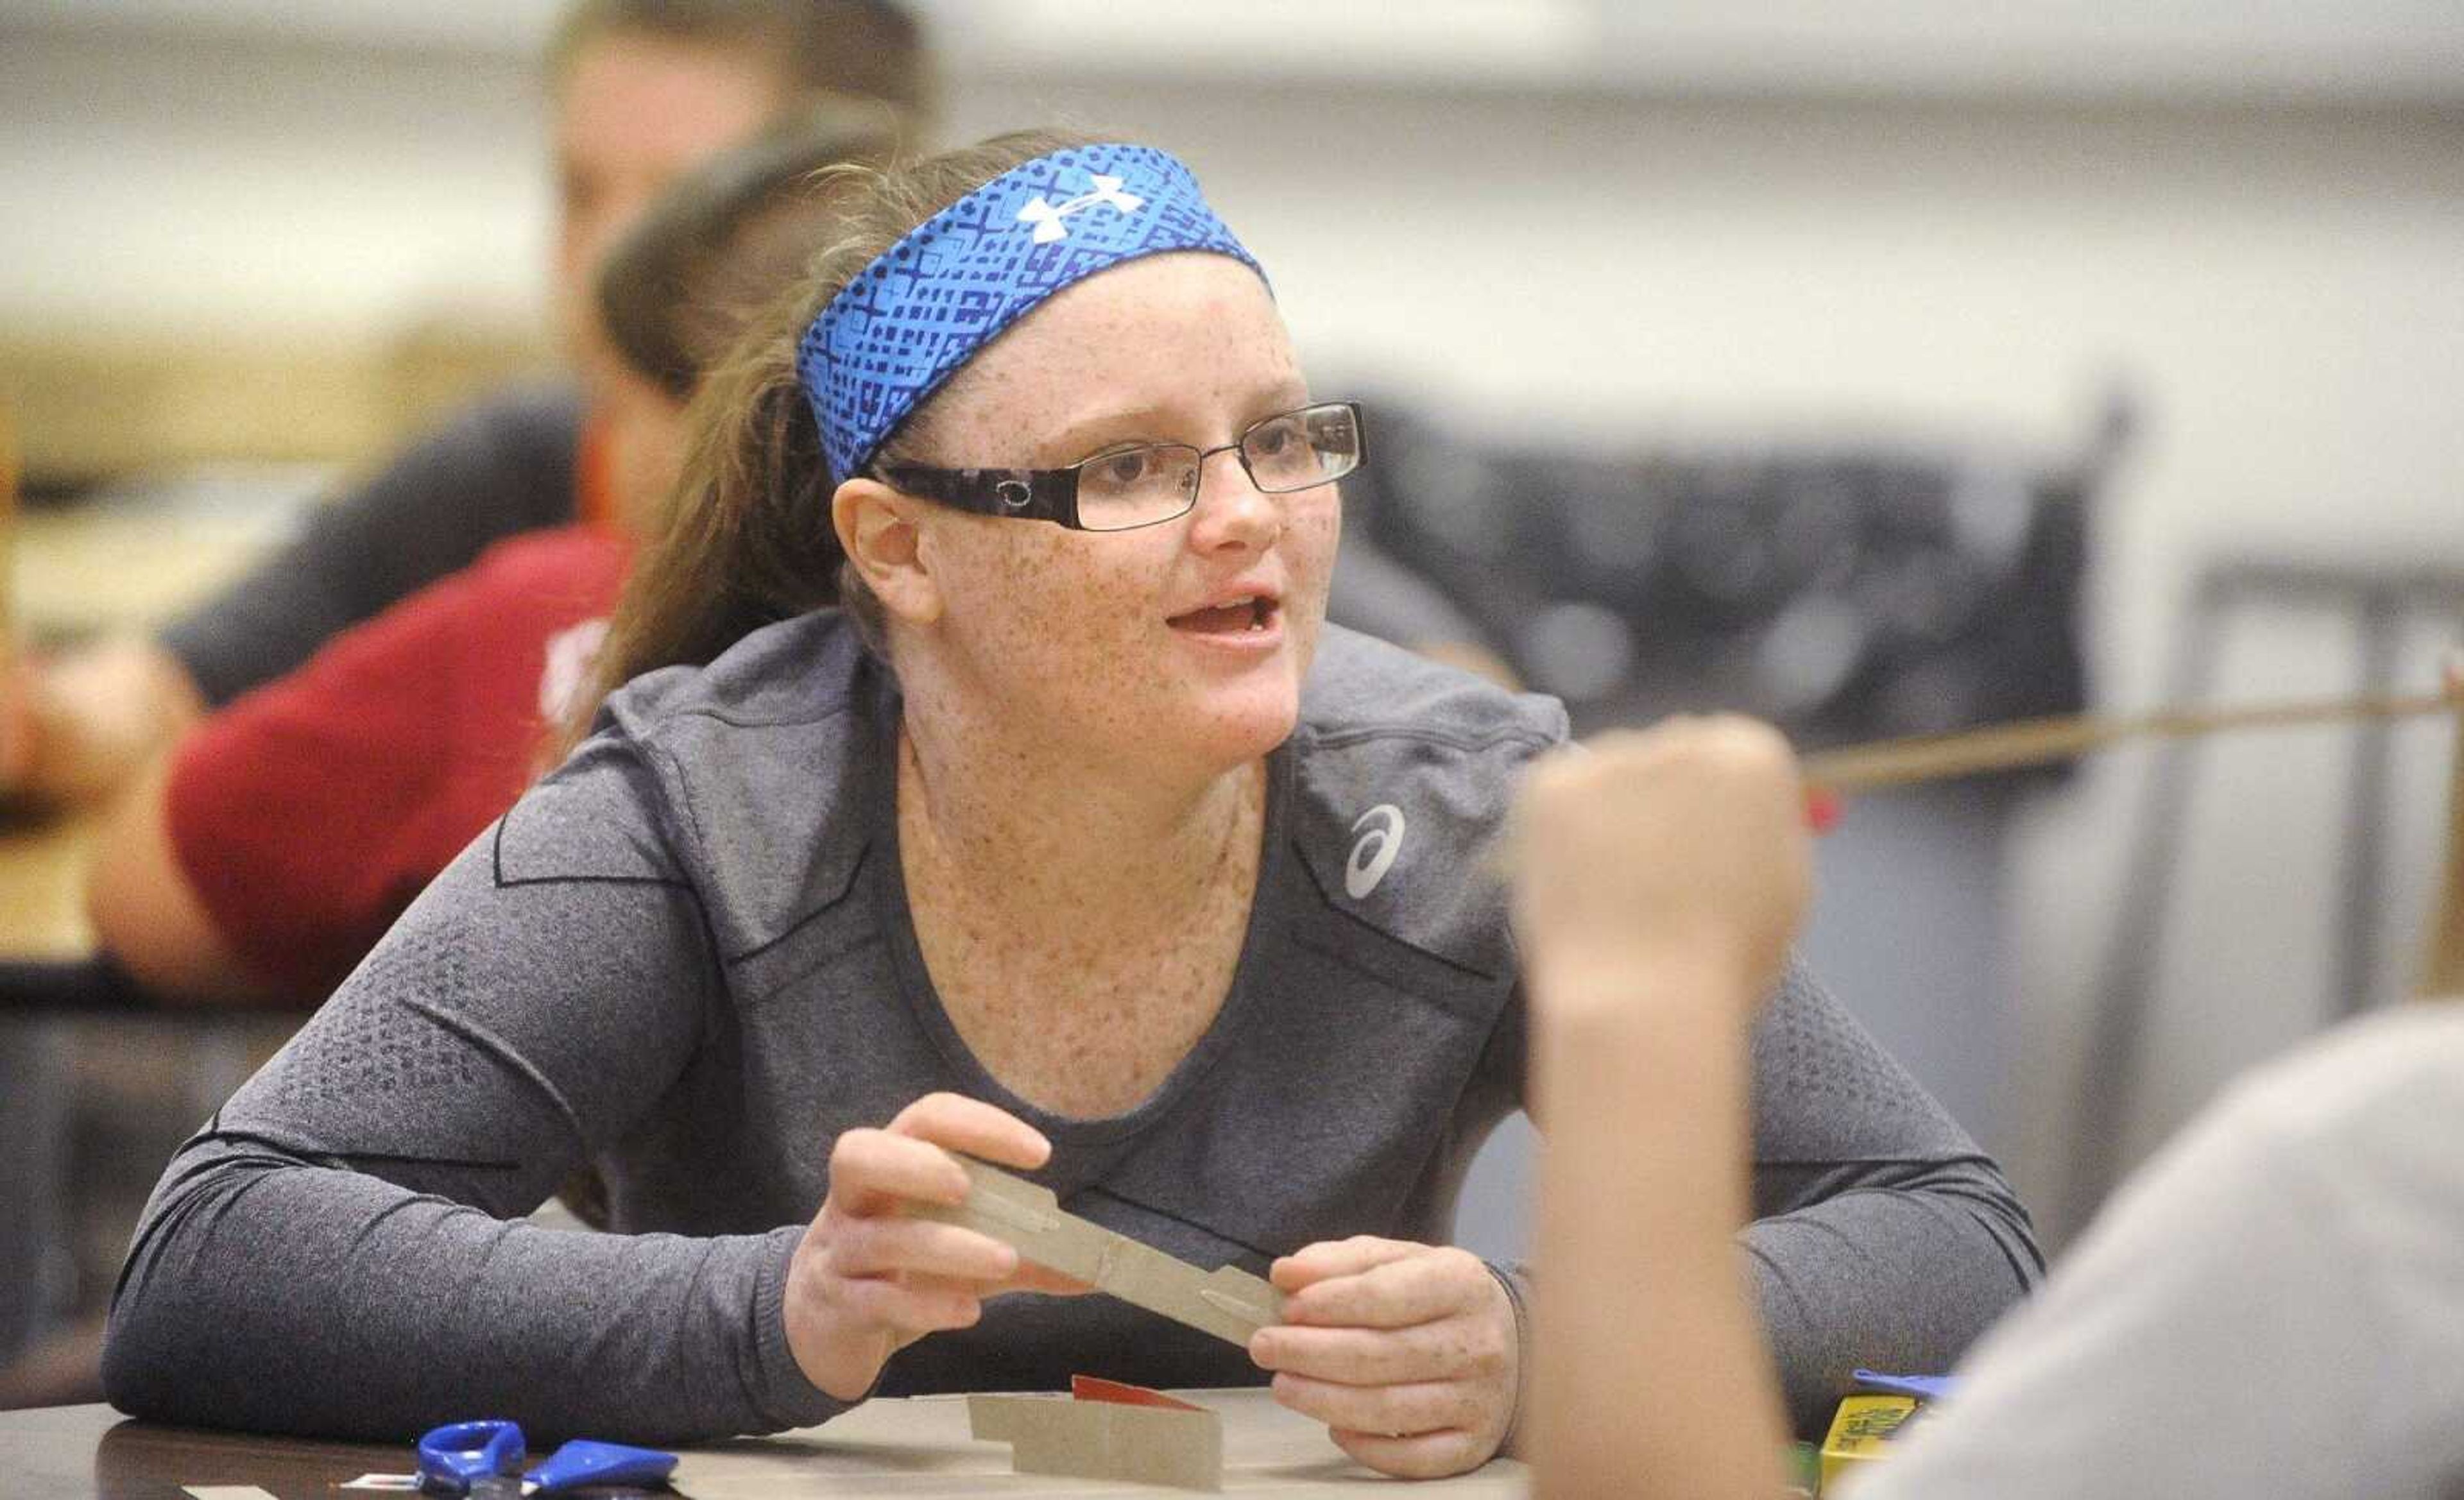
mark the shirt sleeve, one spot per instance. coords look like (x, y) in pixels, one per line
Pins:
(1883, 1236)
(307, 815)
(299, 813)
(504, 466)
(338, 1252)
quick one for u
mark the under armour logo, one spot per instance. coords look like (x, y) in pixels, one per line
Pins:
(1374, 854)
(1046, 215)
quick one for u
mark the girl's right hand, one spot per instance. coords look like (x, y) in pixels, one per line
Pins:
(866, 1280)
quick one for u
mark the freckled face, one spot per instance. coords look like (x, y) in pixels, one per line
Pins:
(1133, 641)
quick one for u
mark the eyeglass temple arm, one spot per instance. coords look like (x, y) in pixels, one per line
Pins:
(1049, 493)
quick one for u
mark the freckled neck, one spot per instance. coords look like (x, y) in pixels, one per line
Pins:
(1059, 846)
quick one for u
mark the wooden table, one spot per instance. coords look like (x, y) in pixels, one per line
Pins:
(42, 887)
(135, 558)
(915, 1449)
(126, 562)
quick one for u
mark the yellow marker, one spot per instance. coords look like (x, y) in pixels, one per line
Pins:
(1860, 1431)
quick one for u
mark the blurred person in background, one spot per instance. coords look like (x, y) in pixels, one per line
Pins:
(265, 853)
(640, 90)
(2273, 1306)
(218, 881)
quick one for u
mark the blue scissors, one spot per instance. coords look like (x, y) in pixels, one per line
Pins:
(480, 1459)
(484, 1460)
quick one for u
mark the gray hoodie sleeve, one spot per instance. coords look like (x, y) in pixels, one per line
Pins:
(338, 1252)
(1882, 1235)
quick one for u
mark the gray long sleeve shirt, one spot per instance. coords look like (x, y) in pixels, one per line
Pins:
(687, 957)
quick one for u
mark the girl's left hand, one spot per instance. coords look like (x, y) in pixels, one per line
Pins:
(1406, 1351)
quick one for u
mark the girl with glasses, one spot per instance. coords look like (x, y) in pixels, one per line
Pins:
(975, 772)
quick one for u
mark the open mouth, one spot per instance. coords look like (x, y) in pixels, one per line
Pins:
(1240, 617)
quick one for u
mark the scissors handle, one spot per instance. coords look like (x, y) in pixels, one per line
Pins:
(458, 1456)
(582, 1462)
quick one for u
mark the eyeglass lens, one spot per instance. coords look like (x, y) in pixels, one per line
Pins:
(1156, 481)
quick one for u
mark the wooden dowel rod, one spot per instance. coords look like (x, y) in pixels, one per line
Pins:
(2035, 742)
(2443, 974)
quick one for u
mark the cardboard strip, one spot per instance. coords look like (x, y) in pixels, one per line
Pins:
(1105, 1439)
(1227, 1302)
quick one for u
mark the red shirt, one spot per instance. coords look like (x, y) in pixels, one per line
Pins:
(308, 813)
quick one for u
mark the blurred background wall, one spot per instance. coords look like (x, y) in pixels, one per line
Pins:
(1577, 221)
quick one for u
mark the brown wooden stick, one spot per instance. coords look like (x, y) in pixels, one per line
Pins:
(1928, 758)
(8, 534)
(2442, 976)
(2035, 742)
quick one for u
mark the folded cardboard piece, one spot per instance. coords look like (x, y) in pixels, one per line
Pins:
(1103, 1429)
(1227, 1302)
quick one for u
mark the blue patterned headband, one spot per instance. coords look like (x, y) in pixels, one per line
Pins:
(950, 286)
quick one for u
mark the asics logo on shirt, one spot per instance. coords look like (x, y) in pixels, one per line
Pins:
(1374, 853)
(1046, 215)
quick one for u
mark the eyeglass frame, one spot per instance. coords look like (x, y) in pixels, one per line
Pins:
(1052, 493)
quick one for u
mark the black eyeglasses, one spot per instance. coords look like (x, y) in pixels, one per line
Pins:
(1146, 484)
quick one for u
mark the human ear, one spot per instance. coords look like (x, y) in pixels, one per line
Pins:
(879, 531)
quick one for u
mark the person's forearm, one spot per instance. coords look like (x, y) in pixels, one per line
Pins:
(341, 1252)
(1901, 1266)
(149, 916)
(1652, 1378)
(1882, 1235)
(268, 1293)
